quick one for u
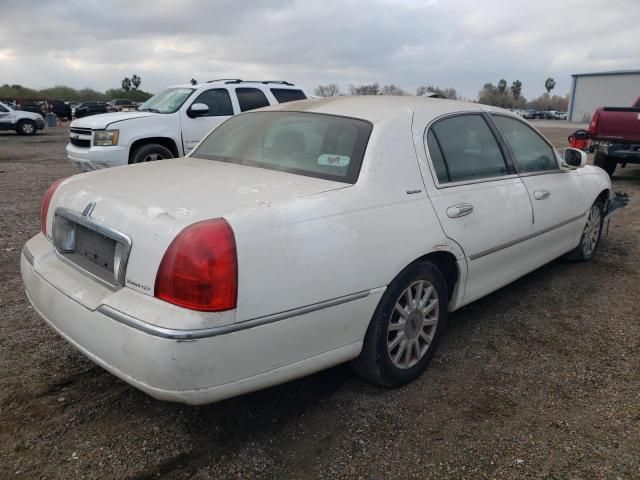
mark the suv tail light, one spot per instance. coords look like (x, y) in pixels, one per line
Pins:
(593, 126)
(199, 270)
(46, 200)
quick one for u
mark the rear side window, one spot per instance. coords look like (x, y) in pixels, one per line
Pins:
(218, 101)
(284, 95)
(532, 153)
(251, 98)
(310, 144)
(467, 149)
(2, 109)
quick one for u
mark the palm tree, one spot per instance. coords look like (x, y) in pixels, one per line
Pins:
(135, 81)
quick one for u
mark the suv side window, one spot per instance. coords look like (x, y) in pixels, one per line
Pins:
(218, 101)
(251, 98)
(532, 153)
(464, 148)
(2, 109)
(284, 95)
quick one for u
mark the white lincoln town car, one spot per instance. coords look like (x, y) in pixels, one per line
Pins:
(302, 236)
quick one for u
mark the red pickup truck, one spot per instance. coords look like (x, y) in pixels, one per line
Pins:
(615, 136)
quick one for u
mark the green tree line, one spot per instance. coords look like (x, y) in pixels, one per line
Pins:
(63, 92)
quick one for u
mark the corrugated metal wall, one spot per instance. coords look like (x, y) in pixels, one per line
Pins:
(593, 91)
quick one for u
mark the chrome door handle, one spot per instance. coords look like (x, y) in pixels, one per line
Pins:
(541, 194)
(459, 210)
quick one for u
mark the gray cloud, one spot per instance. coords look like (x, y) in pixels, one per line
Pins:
(460, 44)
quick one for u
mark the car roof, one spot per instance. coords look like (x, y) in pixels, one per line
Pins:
(375, 108)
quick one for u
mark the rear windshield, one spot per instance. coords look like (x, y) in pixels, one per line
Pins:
(311, 144)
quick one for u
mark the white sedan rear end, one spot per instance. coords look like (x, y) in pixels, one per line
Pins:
(302, 236)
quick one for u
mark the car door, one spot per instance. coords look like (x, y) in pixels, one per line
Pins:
(556, 196)
(480, 202)
(196, 127)
(6, 122)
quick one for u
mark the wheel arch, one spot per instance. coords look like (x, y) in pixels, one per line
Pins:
(166, 142)
(447, 263)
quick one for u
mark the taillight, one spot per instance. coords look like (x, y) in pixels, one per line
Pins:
(199, 270)
(593, 126)
(46, 200)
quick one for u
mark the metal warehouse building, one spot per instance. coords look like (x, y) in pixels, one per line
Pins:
(603, 89)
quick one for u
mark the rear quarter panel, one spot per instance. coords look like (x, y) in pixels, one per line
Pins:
(340, 242)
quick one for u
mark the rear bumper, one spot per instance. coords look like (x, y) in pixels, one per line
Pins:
(626, 153)
(180, 365)
(95, 158)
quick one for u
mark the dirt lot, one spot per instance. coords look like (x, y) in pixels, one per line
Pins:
(539, 380)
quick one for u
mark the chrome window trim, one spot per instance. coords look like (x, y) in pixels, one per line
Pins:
(101, 228)
(195, 334)
(512, 243)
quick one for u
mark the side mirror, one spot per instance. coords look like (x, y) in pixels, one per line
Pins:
(574, 158)
(197, 110)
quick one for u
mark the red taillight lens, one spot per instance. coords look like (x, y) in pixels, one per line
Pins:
(199, 270)
(46, 200)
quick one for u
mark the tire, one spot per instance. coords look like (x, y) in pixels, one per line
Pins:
(383, 359)
(150, 152)
(608, 164)
(590, 238)
(27, 127)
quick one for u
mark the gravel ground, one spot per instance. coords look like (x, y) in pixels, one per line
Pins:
(538, 380)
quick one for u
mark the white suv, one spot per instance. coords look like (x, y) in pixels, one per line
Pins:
(170, 123)
(25, 123)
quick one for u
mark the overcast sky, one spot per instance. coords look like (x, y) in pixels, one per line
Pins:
(447, 43)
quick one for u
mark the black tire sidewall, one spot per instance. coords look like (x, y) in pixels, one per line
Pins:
(605, 162)
(141, 152)
(377, 333)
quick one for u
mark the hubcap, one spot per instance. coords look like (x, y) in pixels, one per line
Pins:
(27, 128)
(153, 157)
(591, 230)
(412, 324)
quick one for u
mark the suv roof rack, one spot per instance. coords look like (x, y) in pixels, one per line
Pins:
(238, 80)
(226, 80)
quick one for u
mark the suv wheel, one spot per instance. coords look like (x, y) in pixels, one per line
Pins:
(608, 164)
(150, 152)
(27, 127)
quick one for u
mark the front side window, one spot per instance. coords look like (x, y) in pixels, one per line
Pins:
(532, 153)
(3, 109)
(310, 144)
(251, 98)
(168, 101)
(463, 148)
(284, 95)
(218, 101)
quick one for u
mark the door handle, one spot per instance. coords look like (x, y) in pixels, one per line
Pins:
(541, 194)
(459, 210)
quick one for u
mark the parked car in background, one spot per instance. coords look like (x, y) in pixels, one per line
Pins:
(120, 105)
(33, 106)
(24, 123)
(531, 114)
(170, 123)
(60, 108)
(302, 236)
(86, 109)
(560, 115)
(615, 136)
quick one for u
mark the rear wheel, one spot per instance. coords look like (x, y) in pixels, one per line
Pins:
(150, 152)
(27, 127)
(605, 162)
(406, 327)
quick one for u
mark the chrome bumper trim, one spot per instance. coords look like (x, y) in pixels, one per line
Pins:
(175, 334)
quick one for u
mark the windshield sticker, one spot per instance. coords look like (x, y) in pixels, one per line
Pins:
(329, 160)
